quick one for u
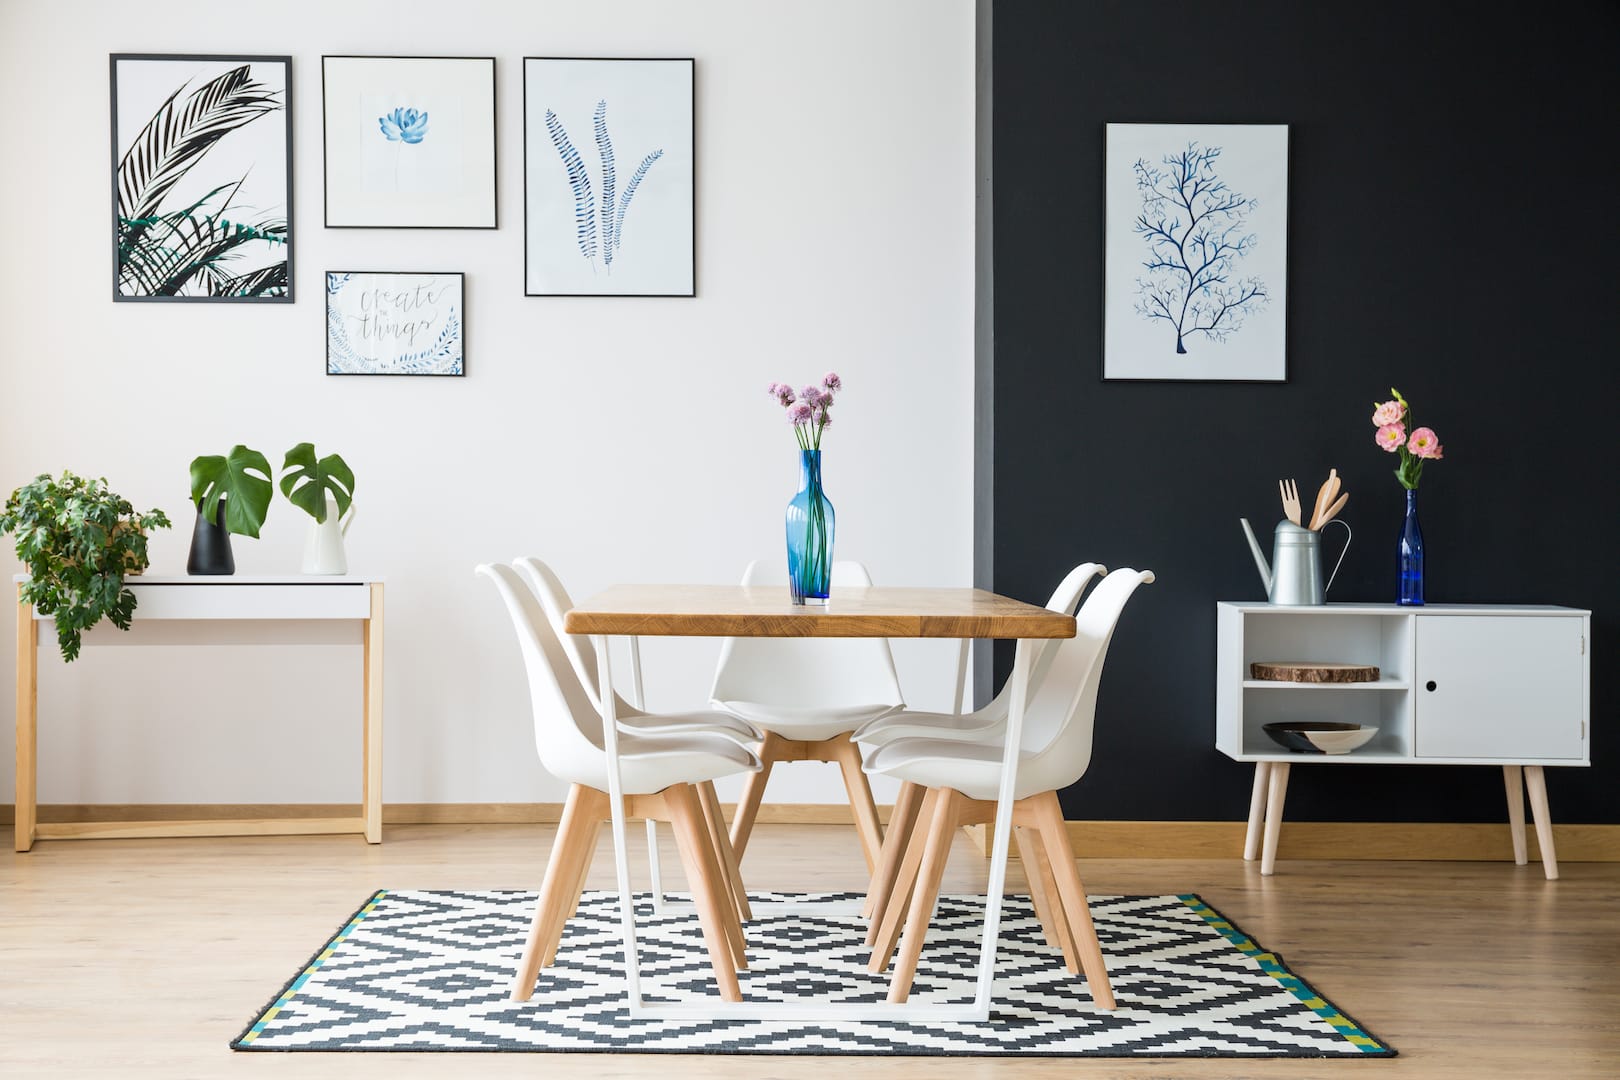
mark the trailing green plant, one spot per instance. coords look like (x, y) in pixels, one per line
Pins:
(78, 540)
(247, 497)
(305, 480)
(191, 250)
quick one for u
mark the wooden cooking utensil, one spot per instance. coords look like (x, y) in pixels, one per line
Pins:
(1333, 511)
(1290, 499)
(1320, 506)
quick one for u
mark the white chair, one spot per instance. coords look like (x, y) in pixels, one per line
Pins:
(555, 602)
(963, 780)
(657, 773)
(807, 695)
(983, 725)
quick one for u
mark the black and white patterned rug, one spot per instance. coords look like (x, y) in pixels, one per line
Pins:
(431, 970)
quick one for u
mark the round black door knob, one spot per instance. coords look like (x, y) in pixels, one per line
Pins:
(1429, 685)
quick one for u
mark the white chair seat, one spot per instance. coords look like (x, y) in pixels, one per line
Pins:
(986, 724)
(972, 768)
(649, 763)
(705, 721)
(811, 724)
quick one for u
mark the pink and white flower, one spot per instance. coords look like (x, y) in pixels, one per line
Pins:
(1390, 412)
(831, 381)
(1425, 444)
(1391, 437)
(801, 413)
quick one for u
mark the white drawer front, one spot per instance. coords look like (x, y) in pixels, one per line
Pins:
(1491, 687)
(251, 601)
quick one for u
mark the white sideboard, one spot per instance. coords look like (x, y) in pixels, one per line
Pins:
(1505, 685)
(235, 597)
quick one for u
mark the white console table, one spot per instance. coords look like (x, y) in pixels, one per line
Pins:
(1459, 685)
(237, 597)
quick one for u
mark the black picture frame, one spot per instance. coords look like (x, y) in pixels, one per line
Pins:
(691, 62)
(461, 282)
(494, 146)
(286, 109)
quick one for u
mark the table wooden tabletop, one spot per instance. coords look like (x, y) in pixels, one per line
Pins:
(768, 611)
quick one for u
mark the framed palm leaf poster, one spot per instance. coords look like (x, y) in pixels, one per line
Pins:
(202, 178)
(410, 141)
(607, 177)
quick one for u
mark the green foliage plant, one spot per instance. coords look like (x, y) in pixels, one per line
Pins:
(247, 497)
(78, 540)
(305, 480)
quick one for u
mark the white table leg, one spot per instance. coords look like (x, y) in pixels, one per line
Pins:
(1275, 796)
(961, 675)
(638, 698)
(1536, 781)
(1513, 778)
(1023, 660)
(621, 852)
(1257, 811)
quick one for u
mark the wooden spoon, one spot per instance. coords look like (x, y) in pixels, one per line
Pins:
(1322, 498)
(1333, 511)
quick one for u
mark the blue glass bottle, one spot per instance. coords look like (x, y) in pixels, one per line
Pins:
(1411, 555)
(810, 522)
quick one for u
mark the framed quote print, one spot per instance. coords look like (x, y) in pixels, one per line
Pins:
(391, 323)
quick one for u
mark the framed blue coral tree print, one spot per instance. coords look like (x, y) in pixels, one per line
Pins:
(607, 177)
(1196, 252)
(410, 141)
(202, 178)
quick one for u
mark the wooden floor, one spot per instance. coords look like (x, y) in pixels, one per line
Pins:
(143, 958)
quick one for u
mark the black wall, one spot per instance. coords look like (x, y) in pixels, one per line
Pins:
(1453, 176)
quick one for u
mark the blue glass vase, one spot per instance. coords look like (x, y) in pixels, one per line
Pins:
(1411, 555)
(810, 524)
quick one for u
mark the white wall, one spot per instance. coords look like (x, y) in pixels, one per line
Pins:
(619, 439)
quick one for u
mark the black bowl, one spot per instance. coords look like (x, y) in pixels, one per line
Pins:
(1319, 736)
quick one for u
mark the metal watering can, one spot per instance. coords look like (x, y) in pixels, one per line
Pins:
(1293, 578)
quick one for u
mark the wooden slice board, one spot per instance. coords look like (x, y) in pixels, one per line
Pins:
(1310, 671)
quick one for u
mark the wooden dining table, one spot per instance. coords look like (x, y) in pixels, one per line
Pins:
(636, 611)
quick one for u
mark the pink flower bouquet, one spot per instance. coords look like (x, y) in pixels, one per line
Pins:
(1392, 419)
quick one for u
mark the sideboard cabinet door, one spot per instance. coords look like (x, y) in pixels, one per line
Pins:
(1499, 687)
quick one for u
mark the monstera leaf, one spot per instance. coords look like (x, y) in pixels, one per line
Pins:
(215, 477)
(306, 480)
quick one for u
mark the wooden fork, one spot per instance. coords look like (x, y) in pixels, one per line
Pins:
(1290, 499)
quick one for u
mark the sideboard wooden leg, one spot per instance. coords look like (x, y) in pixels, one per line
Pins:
(1537, 783)
(1513, 777)
(1257, 811)
(27, 723)
(1274, 812)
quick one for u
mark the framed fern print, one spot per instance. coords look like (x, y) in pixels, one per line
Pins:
(608, 187)
(387, 323)
(202, 178)
(410, 141)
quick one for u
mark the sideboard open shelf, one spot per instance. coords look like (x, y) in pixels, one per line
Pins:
(1502, 685)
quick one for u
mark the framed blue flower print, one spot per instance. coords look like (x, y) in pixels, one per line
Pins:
(410, 141)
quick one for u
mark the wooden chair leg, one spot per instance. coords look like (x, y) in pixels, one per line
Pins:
(1513, 779)
(555, 940)
(848, 756)
(704, 874)
(941, 830)
(884, 934)
(1257, 811)
(1055, 835)
(575, 844)
(715, 818)
(742, 826)
(1043, 893)
(895, 836)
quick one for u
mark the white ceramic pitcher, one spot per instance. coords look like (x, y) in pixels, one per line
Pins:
(323, 549)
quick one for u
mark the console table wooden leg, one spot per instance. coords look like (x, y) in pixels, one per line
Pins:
(27, 722)
(1537, 783)
(1274, 811)
(1257, 811)
(371, 790)
(1513, 777)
